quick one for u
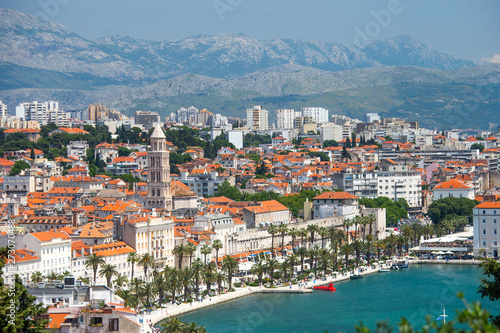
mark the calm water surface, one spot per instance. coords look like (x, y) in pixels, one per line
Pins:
(411, 293)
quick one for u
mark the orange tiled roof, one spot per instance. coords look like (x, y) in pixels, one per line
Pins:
(267, 206)
(451, 184)
(489, 204)
(46, 236)
(335, 196)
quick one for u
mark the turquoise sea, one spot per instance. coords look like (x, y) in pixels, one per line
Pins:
(413, 293)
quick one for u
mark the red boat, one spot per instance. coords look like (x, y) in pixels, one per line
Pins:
(330, 287)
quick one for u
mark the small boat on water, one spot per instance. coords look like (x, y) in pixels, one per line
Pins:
(330, 287)
(384, 270)
(400, 263)
(356, 276)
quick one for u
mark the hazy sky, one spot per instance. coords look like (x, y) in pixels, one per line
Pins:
(464, 28)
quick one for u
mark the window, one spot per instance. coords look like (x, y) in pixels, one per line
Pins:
(494, 220)
(95, 321)
(484, 231)
(484, 243)
(484, 220)
(484, 212)
(494, 231)
(495, 243)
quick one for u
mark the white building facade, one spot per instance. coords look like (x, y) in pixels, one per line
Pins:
(486, 222)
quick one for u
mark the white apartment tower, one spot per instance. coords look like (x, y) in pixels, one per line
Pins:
(158, 185)
(3, 110)
(285, 117)
(44, 113)
(320, 115)
(257, 118)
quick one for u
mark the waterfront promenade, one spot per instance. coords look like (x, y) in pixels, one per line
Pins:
(177, 310)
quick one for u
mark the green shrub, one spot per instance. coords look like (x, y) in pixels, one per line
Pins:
(254, 284)
(237, 284)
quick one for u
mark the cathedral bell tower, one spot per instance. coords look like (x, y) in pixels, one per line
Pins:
(159, 196)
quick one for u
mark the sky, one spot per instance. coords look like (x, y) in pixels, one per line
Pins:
(464, 28)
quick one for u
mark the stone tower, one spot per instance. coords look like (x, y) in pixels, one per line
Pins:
(159, 196)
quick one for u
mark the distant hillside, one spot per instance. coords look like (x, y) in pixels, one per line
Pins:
(228, 73)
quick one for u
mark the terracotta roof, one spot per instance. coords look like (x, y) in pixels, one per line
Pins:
(267, 206)
(335, 196)
(24, 255)
(46, 236)
(451, 184)
(488, 204)
(74, 130)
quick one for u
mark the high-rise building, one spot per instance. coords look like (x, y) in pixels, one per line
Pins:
(371, 117)
(100, 112)
(147, 118)
(257, 118)
(44, 113)
(320, 115)
(3, 110)
(159, 193)
(285, 117)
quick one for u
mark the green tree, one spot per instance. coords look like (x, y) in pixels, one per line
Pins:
(146, 261)
(491, 288)
(230, 266)
(451, 207)
(94, 261)
(25, 316)
(132, 258)
(330, 143)
(108, 271)
(217, 245)
(18, 167)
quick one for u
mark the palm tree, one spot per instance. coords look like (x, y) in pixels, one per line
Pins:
(186, 279)
(302, 252)
(52, 276)
(197, 269)
(94, 261)
(108, 271)
(272, 230)
(220, 278)
(303, 235)
(173, 282)
(368, 247)
(136, 285)
(293, 232)
(206, 250)
(208, 275)
(120, 280)
(292, 261)
(229, 265)
(259, 268)
(346, 250)
(190, 250)
(313, 254)
(160, 284)
(347, 224)
(283, 229)
(193, 327)
(37, 277)
(271, 267)
(148, 290)
(324, 259)
(128, 297)
(132, 258)
(146, 261)
(217, 245)
(66, 273)
(379, 245)
(371, 219)
(312, 229)
(283, 267)
(180, 251)
(172, 325)
(323, 233)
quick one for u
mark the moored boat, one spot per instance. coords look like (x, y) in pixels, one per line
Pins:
(330, 287)
(356, 276)
(400, 263)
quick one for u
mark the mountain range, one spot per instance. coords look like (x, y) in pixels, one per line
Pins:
(227, 73)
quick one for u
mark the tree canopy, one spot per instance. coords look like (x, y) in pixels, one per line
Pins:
(450, 207)
(395, 211)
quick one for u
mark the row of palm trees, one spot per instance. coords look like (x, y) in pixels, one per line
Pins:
(172, 282)
(189, 249)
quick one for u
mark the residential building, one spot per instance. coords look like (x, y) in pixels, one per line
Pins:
(24, 263)
(77, 148)
(147, 118)
(486, 221)
(329, 204)
(3, 110)
(318, 114)
(257, 118)
(44, 113)
(285, 117)
(153, 235)
(266, 213)
(453, 188)
(52, 247)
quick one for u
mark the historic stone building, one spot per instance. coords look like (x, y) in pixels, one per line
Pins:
(159, 193)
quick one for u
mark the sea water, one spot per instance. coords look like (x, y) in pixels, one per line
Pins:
(412, 293)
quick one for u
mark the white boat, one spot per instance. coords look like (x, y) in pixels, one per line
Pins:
(400, 263)
(384, 270)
